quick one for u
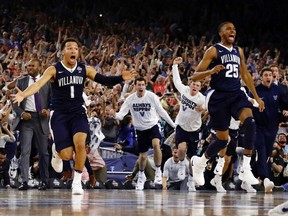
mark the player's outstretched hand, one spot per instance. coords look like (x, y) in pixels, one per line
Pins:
(128, 75)
(17, 98)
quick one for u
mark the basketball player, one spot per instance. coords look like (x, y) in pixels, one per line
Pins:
(145, 108)
(225, 63)
(68, 120)
(188, 120)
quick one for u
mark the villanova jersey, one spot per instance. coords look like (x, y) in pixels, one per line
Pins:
(67, 88)
(229, 78)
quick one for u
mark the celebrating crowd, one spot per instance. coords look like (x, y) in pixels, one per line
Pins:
(145, 86)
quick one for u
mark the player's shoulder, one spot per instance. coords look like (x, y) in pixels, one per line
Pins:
(212, 51)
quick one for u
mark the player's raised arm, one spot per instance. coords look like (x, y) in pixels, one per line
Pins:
(109, 80)
(48, 74)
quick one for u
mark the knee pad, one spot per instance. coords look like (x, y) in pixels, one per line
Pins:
(249, 129)
(215, 147)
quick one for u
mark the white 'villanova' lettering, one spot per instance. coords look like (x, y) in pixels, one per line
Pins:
(230, 58)
(70, 80)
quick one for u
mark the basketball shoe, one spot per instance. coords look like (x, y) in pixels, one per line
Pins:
(56, 161)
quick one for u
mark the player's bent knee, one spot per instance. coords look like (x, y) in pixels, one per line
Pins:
(215, 147)
(66, 154)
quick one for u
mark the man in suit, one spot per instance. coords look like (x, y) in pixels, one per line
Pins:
(32, 117)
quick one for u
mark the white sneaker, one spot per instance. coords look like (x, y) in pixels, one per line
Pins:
(268, 185)
(77, 188)
(191, 184)
(217, 183)
(182, 171)
(158, 177)
(281, 209)
(219, 168)
(198, 171)
(140, 181)
(56, 161)
(247, 176)
(247, 187)
(13, 168)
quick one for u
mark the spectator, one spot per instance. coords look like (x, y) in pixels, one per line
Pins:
(267, 124)
(4, 168)
(32, 121)
(170, 179)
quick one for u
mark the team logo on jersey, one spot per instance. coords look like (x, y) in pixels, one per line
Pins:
(142, 113)
(187, 103)
(275, 97)
(79, 69)
(184, 107)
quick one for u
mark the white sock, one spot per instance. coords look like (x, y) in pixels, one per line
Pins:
(158, 169)
(77, 177)
(246, 161)
(221, 161)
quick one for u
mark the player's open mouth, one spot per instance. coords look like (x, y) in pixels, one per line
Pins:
(73, 57)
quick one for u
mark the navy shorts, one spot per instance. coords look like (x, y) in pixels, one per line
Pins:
(223, 105)
(191, 138)
(64, 126)
(145, 138)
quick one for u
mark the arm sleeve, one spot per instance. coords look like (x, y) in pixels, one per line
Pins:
(177, 80)
(123, 110)
(108, 80)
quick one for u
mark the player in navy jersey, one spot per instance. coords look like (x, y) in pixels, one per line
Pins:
(225, 63)
(68, 120)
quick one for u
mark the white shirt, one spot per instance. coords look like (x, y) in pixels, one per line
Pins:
(145, 111)
(170, 170)
(188, 118)
(30, 101)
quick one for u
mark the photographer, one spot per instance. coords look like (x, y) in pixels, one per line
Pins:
(278, 160)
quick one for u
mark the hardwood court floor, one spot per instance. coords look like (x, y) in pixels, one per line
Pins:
(58, 202)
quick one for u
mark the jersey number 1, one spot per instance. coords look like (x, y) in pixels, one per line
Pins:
(72, 95)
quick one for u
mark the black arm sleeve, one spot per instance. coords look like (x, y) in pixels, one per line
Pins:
(108, 80)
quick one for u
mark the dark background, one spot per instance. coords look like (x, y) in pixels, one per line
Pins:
(260, 24)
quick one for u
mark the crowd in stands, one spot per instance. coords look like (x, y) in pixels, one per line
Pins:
(112, 46)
